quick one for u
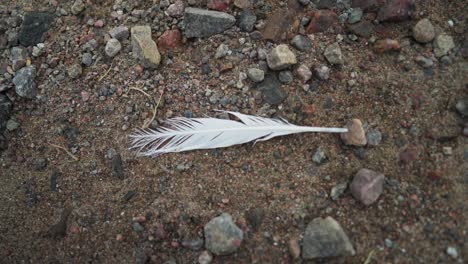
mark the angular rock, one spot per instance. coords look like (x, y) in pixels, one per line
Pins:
(325, 238)
(355, 135)
(362, 29)
(75, 71)
(321, 21)
(113, 47)
(87, 59)
(338, 190)
(396, 10)
(278, 23)
(319, 156)
(355, 15)
(462, 107)
(304, 72)
(367, 186)
(205, 258)
(281, 58)
(205, 23)
(120, 32)
(222, 236)
(256, 75)
(35, 24)
(423, 31)
(333, 54)
(322, 72)
(219, 5)
(18, 58)
(221, 51)
(272, 91)
(301, 43)
(77, 7)
(24, 81)
(176, 9)
(443, 43)
(247, 20)
(144, 48)
(170, 39)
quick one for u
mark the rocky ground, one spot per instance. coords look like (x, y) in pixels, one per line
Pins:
(78, 77)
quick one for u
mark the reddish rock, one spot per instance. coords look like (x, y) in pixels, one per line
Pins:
(99, 23)
(355, 135)
(362, 29)
(396, 10)
(171, 39)
(367, 186)
(321, 21)
(409, 155)
(220, 5)
(384, 45)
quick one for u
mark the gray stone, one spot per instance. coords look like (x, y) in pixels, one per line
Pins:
(222, 51)
(304, 72)
(256, 75)
(423, 31)
(333, 54)
(120, 32)
(12, 125)
(281, 57)
(272, 91)
(319, 156)
(113, 47)
(144, 48)
(261, 54)
(301, 43)
(285, 77)
(367, 186)
(338, 190)
(38, 50)
(322, 72)
(205, 23)
(374, 137)
(222, 236)
(87, 59)
(462, 107)
(443, 43)
(424, 62)
(24, 82)
(355, 15)
(325, 238)
(34, 25)
(304, 2)
(247, 21)
(176, 9)
(18, 58)
(77, 7)
(75, 71)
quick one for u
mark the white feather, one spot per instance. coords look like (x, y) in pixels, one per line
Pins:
(183, 134)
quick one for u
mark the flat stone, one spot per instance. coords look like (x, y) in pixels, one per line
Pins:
(333, 54)
(243, 4)
(367, 186)
(424, 31)
(396, 10)
(285, 77)
(355, 135)
(247, 20)
(301, 43)
(34, 25)
(281, 57)
(87, 59)
(443, 43)
(120, 32)
(272, 91)
(205, 23)
(325, 238)
(221, 51)
(424, 62)
(144, 48)
(278, 23)
(222, 236)
(256, 75)
(24, 81)
(113, 47)
(374, 137)
(170, 39)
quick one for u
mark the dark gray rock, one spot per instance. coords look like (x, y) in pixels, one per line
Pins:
(247, 20)
(325, 238)
(355, 15)
(285, 76)
(272, 91)
(222, 236)
(120, 32)
(205, 23)
(5, 111)
(87, 59)
(117, 167)
(25, 86)
(326, 4)
(255, 218)
(34, 26)
(301, 43)
(362, 29)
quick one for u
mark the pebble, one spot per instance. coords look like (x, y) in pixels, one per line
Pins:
(355, 15)
(176, 9)
(219, 5)
(144, 48)
(193, 244)
(324, 238)
(355, 135)
(222, 51)
(271, 90)
(34, 25)
(338, 190)
(256, 75)
(205, 258)
(452, 252)
(367, 186)
(255, 218)
(462, 106)
(170, 39)
(222, 236)
(424, 62)
(87, 59)
(117, 167)
(77, 7)
(285, 76)
(137, 227)
(333, 54)
(294, 248)
(120, 32)
(322, 72)
(18, 57)
(388, 243)
(12, 125)
(261, 54)
(205, 23)
(443, 43)
(281, 57)
(301, 43)
(447, 151)
(243, 4)
(247, 20)
(374, 137)
(304, 72)
(424, 31)
(113, 47)
(24, 81)
(319, 156)
(74, 71)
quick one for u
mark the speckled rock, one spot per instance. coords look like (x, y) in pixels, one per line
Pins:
(24, 81)
(304, 72)
(281, 57)
(222, 236)
(256, 75)
(367, 186)
(120, 32)
(333, 54)
(113, 47)
(74, 71)
(423, 31)
(355, 135)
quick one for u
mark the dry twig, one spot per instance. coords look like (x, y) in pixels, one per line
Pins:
(66, 150)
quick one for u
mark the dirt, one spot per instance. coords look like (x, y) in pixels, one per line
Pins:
(83, 211)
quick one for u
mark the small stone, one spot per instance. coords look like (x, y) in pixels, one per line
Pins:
(119, 237)
(34, 25)
(222, 51)
(304, 72)
(176, 9)
(99, 23)
(170, 39)
(367, 186)
(396, 10)
(443, 44)
(38, 50)
(12, 125)
(193, 244)
(301, 43)
(219, 5)
(385, 45)
(205, 258)
(77, 7)
(355, 15)
(462, 107)
(243, 4)
(117, 167)
(322, 20)
(362, 29)
(144, 48)
(281, 58)
(447, 151)
(374, 137)
(87, 59)
(452, 252)
(294, 248)
(222, 236)
(423, 31)
(205, 23)
(74, 71)
(338, 190)
(333, 54)
(24, 82)
(285, 77)
(247, 20)
(271, 89)
(355, 135)
(388, 243)
(319, 156)
(325, 238)
(255, 218)
(113, 47)
(137, 227)
(256, 75)
(304, 2)
(424, 62)
(18, 58)
(120, 32)
(322, 72)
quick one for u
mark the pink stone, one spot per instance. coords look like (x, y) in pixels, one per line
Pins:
(99, 23)
(304, 73)
(85, 96)
(170, 39)
(220, 5)
(321, 21)
(355, 135)
(176, 9)
(367, 186)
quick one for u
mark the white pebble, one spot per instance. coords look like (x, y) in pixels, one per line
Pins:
(451, 251)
